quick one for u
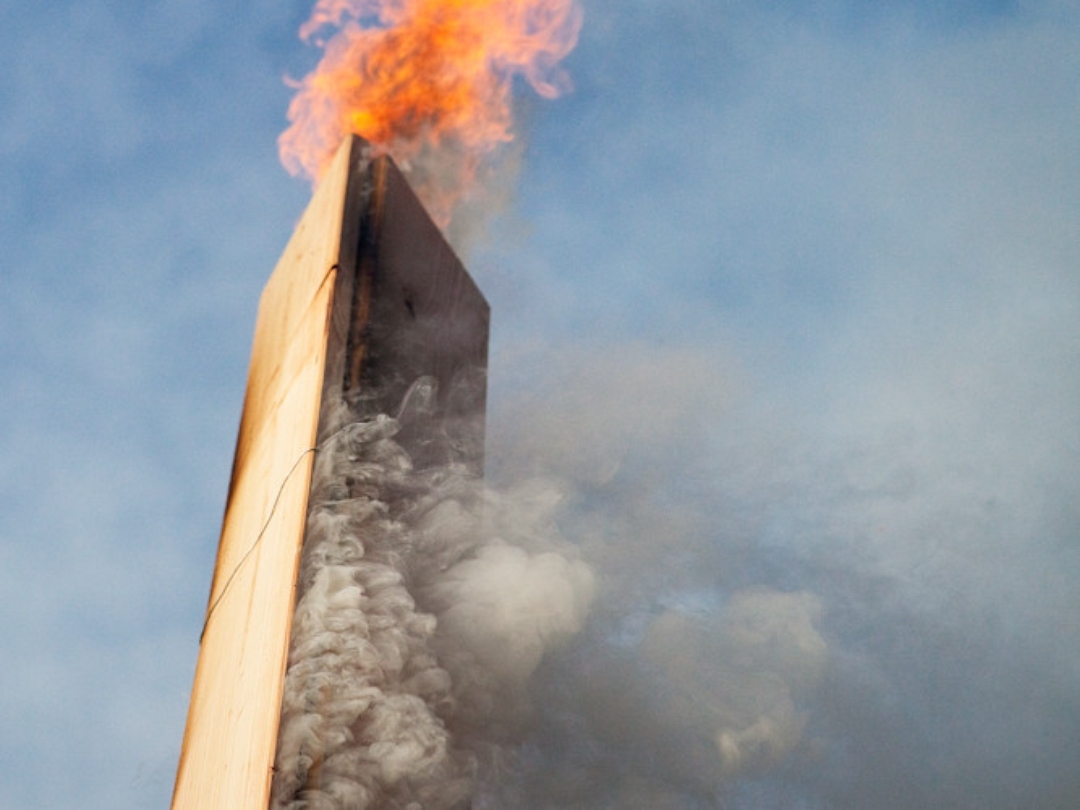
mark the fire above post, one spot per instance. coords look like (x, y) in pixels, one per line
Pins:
(368, 312)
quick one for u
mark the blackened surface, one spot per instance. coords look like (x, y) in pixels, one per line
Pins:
(419, 325)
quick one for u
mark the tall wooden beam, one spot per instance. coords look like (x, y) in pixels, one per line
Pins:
(366, 298)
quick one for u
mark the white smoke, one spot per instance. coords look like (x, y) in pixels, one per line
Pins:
(444, 638)
(499, 612)
(416, 630)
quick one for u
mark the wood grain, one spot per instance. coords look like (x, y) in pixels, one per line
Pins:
(229, 743)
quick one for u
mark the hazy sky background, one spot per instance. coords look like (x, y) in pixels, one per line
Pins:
(788, 298)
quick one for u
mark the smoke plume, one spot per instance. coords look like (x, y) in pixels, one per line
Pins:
(417, 628)
(536, 641)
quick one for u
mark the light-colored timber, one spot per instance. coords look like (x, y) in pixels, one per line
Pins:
(231, 734)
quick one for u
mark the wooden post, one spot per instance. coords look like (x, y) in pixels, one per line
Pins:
(366, 298)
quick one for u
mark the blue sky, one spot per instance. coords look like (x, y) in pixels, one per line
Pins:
(787, 297)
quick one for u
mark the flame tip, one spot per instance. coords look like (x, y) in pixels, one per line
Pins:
(416, 78)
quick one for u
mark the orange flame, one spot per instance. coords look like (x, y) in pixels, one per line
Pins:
(428, 81)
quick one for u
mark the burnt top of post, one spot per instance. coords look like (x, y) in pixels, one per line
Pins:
(416, 321)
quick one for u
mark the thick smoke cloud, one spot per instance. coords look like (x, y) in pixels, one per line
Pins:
(416, 629)
(844, 609)
(442, 625)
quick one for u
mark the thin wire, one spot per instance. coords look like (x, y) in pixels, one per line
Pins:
(258, 538)
(266, 525)
(269, 517)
